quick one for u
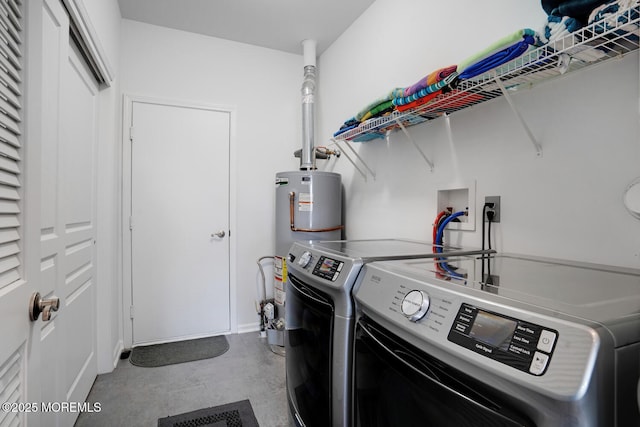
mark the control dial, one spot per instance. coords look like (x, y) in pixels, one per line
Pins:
(305, 259)
(415, 305)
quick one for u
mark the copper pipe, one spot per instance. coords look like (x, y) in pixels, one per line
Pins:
(292, 198)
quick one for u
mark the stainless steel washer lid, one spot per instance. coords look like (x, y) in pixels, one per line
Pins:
(603, 294)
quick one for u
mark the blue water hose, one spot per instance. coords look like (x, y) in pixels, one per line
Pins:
(445, 266)
(438, 241)
(443, 225)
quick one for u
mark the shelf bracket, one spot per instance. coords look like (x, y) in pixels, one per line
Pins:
(354, 163)
(507, 96)
(424, 156)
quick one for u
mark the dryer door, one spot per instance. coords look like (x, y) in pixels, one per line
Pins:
(397, 384)
(308, 338)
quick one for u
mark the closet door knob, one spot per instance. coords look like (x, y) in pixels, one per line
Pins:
(38, 305)
(219, 234)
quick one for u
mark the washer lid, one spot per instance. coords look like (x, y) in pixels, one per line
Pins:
(598, 293)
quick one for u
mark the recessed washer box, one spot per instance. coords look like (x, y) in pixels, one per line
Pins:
(460, 198)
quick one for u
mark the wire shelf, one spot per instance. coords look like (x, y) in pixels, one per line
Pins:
(613, 37)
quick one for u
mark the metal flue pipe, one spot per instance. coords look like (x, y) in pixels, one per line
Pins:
(307, 157)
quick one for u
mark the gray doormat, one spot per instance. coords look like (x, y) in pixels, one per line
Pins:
(237, 414)
(151, 356)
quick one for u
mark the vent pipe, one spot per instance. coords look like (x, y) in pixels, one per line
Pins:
(307, 157)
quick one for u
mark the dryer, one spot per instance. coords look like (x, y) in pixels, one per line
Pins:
(543, 343)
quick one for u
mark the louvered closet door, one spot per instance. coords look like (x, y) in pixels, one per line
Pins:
(14, 291)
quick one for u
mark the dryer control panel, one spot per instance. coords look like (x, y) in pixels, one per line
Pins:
(328, 268)
(522, 345)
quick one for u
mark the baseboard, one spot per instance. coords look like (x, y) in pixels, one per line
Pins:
(249, 327)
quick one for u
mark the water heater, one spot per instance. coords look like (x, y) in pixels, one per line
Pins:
(308, 207)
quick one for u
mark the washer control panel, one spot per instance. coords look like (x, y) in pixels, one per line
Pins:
(328, 268)
(522, 345)
(415, 305)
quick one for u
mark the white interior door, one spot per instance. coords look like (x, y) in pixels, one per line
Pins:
(67, 218)
(179, 201)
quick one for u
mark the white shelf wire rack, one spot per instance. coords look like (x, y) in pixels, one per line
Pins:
(611, 38)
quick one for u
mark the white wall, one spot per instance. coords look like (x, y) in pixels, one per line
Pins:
(264, 87)
(105, 19)
(566, 204)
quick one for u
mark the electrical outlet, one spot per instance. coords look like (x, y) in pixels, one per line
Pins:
(496, 208)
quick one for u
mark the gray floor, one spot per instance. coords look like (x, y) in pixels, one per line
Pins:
(134, 396)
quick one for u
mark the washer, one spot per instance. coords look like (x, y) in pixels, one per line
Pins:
(543, 343)
(320, 320)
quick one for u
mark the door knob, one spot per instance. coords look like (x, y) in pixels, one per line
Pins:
(220, 234)
(38, 305)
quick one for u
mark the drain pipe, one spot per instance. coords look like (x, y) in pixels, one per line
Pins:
(307, 157)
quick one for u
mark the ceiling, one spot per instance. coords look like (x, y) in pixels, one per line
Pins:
(275, 24)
